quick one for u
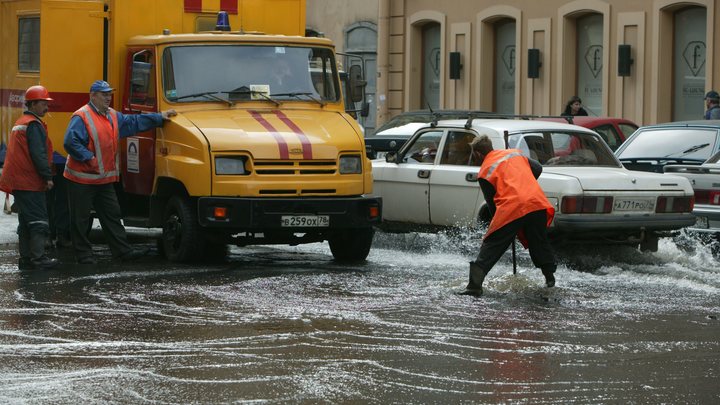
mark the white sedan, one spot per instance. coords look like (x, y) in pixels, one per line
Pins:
(431, 183)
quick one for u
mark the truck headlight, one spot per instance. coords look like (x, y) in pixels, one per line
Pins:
(228, 165)
(351, 164)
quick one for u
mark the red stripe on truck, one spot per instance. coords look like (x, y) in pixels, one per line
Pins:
(62, 101)
(306, 144)
(282, 145)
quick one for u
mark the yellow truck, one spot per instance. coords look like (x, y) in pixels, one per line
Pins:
(261, 151)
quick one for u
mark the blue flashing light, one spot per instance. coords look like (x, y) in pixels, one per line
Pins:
(223, 21)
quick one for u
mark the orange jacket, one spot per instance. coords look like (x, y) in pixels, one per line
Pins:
(517, 193)
(19, 172)
(103, 142)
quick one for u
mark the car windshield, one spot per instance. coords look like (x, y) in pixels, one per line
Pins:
(239, 73)
(684, 143)
(553, 148)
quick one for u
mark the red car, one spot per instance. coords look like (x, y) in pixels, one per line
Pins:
(613, 130)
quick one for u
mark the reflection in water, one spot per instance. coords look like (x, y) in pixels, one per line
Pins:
(282, 324)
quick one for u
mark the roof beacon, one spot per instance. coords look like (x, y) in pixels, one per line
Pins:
(223, 22)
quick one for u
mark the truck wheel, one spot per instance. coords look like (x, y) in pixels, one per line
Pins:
(351, 245)
(181, 240)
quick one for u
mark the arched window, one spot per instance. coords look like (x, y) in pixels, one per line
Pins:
(505, 65)
(431, 60)
(689, 42)
(590, 62)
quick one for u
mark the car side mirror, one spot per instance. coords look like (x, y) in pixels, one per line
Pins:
(391, 157)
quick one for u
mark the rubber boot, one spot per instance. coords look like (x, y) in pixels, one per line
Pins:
(477, 276)
(24, 247)
(548, 272)
(37, 252)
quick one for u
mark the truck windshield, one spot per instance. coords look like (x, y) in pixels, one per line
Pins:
(241, 73)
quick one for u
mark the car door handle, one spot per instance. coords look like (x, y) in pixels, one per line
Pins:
(424, 174)
(471, 177)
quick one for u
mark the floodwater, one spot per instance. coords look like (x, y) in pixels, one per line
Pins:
(279, 324)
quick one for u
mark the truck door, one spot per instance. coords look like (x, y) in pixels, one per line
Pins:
(137, 153)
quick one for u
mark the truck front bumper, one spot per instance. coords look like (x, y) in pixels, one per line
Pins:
(246, 214)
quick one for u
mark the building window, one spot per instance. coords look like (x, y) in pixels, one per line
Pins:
(689, 63)
(431, 60)
(505, 64)
(590, 62)
(29, 44)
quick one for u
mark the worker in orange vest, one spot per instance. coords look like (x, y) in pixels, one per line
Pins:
(91, 141)
(519, 207)
(28, 175)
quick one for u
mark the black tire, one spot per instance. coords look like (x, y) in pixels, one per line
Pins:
(181, 241)
(352, 245)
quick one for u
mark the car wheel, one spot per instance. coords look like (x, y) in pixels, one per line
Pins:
(181, 241)
(351, 245)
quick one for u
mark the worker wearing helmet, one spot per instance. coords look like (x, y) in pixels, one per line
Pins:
(712, 103)
(28, 175)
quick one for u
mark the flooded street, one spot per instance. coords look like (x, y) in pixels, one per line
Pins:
(287, 324)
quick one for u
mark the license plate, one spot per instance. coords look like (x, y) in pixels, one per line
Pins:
(702, 223)
(634, 205)
(313, 221)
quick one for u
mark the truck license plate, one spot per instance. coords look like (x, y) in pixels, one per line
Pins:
(634, 205)
(305, 221)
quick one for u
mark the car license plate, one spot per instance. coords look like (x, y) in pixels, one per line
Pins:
(634, 205)
(702, 223)
(313, 221)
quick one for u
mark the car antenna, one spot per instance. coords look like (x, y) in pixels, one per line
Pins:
(435, 116)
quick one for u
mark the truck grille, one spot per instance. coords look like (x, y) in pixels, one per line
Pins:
(289, 167)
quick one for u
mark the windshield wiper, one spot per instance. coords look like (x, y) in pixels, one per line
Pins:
(245, 90)
(690, 149)
(298, 94)
(207, 94)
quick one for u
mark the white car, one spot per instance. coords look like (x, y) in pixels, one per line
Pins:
(705, 180)
(431, 182)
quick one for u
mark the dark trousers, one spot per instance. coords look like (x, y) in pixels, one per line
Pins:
(534, 227)
(32, 219)
(84, 197)
(57, 205)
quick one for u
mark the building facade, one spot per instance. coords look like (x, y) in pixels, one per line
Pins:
(352, 26)
(646, 60)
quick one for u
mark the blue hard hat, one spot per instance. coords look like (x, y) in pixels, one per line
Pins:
(712, 95)
(100, 86)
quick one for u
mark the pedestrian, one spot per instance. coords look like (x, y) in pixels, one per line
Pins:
(574, 107)
(28, 176)
(518, 206)
(712, 103)
(91, 141)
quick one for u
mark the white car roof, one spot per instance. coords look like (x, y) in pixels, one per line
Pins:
(407, 129)
(501, 125)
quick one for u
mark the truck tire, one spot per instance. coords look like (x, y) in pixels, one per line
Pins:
(352, 245)
(181, 241)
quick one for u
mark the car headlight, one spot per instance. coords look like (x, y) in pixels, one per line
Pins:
(228, 165)
(351, 164)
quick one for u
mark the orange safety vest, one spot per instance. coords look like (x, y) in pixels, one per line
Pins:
(19, 172)
(103, 142)
(517, 193)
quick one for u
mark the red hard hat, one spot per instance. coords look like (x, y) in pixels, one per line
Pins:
(37, 93)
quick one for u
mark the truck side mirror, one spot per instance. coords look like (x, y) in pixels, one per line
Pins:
(357, 84)
(365, 109)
